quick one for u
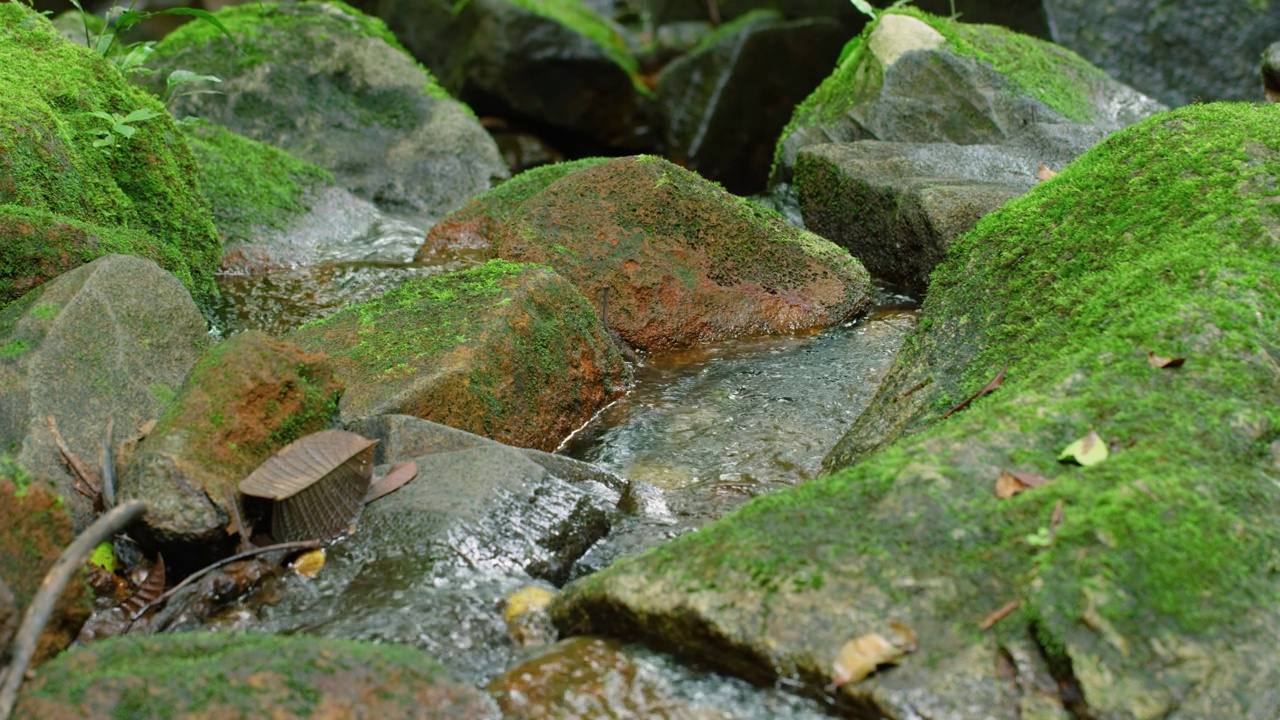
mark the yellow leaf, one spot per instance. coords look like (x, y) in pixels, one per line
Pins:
(527, 599)
(308, 564)
(860, 657)
(1087, 451)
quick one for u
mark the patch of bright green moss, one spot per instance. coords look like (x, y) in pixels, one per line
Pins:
(500, 201)
(249, 185)
(144, 184)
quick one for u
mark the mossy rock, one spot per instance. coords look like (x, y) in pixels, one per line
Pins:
(474, 225)
(36, 529)
(915, 77)
(138, 195)
(683, 261)
(225, 675)
(512, 352)
(246, 398)
(1153, 592)
(332, 86)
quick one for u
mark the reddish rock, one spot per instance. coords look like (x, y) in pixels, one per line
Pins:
(684, 261)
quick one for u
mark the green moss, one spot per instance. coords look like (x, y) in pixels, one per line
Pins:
(143, 185)
(255, 25)
(503, 199)
(586, 22)
(249, 185)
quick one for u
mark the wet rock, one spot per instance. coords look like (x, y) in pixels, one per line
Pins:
(271, 209)
(898, 206)
(36, 529)
(507, 351)
(1150, 594)
(912, 77)
(63, 201)
(667, 11)
(366, 112)
(110, 340)
(247, 398)
(725, 102)
(194, 675)
(555, 63)
(1179, 53)
(685, 261)
(476, 224)
(1271, 72)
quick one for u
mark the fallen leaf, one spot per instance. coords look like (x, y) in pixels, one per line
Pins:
(860, 657)
(1157, 361)
(1056, 519)
(1012, 483)
(989, 621)
(309, 564)
(1044, 173)
(1087, 451)
(86, 480)
(396, 477)
(150, 589)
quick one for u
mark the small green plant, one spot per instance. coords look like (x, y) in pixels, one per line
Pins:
(119, 125)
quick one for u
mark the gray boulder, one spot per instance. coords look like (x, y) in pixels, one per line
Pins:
(1177, 52)
(110, 340)
(334, 88)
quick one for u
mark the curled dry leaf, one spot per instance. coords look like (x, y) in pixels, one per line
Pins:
(1087, 451)
(1044, 173)
(1012, 483)
(1157, 361)
(396, 477)
(860, 657)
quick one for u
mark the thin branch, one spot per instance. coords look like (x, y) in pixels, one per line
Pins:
(51, 588)
(108, 460)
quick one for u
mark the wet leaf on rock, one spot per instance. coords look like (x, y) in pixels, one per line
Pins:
(1011, 483)
(528, 622)
(309, 564)
(1044, 173)
(396, 477)
(1157, 361)
(1087, 451)
(860, 657)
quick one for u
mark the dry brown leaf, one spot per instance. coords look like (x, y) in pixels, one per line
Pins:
(1056, 519)
(396, 477)
(1044, 173)
(86, 481)
(860, 657)
(1012, 483)
(1157, 361)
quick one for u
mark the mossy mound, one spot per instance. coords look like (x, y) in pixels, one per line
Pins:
(144, 184)
(474, 225)
(202, 675)
(684, 261)
(511, 352)
(1153, 590)
(950, 81)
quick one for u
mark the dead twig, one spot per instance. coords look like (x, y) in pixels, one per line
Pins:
(987, 389)
(51, 588)
(989, 621)
(86, 479)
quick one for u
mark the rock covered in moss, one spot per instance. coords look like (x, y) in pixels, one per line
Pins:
(246, 398)
(725, 101)
(511, 352)
(112, 340)
(36, 529)
(683, 260)
(270, 208)
(914, 77)
(333, 87)
(137, 195)
(203, 675)
(1152, 593)
(476, 224)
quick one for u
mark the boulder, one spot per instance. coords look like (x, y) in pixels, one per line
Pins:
(246, 398)
(476, 224)
(334, 88)
(669, 11)
(1177, 53)
(271, 209)
(37, 527)
(225, 675)
(1134, 585)
(897, 206)
(556, 63)
(914, 77)
(685, 262)
(725, 101)
(511, 352)
(112, 340)
(68, 196)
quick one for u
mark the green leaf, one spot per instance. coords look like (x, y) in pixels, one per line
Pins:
(136, 55)
(113, 119)
(107, 139)
(182, 77)
(865, 8)
(139, 115)
(204, 15)
(1087, 451)
(126, 130)
(104, 556)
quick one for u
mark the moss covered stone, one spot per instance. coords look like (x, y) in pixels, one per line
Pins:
(145, 184)
(225, 675)
(1161, 239)
(512, 352)
(474, 225)
(683, 260)
(914, 77)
